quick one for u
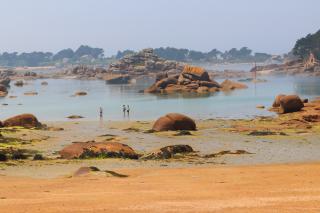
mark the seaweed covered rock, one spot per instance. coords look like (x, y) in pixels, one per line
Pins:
(94, 149)
(168, 152)
(23, 120)
(173, 122)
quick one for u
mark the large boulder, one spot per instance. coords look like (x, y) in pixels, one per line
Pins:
(174, 121)
(276, 102)
(24, 120)
(168, 152)
(290, 103)
(231, 85)
(94, 149)
(195, 73)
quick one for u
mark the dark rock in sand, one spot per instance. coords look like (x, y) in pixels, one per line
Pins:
(38, 157)
(3, 156)
(227, 152)
(85, 171)
(174, 121)
(168, 152)
(44, 83)
(75, 117)
(94, 149)
(24, 120)
(290, 103)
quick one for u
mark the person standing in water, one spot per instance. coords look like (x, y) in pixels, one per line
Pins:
(101, 112)
(124, 110)
(128, 110)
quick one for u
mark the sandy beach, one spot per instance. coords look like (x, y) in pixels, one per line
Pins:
(277, 172)
(268, 188)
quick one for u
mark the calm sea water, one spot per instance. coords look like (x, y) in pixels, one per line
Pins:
(54, 102)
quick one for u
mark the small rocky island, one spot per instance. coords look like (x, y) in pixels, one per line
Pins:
(191, 79)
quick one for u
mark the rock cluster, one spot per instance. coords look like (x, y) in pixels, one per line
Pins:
(144, 62)
(309, 66)
(191, 79)
(86, 72)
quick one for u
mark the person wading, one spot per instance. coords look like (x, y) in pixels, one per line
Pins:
(101, 112)
(124, 110)
(128, 110)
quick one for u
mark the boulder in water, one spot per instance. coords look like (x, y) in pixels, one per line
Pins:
(120, 79)
(173, 122)
(81, 93)
(231, 85)
(19, 83)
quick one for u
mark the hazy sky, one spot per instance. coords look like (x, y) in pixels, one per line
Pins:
(50, 25)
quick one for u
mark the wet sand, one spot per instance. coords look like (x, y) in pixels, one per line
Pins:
(268, 188)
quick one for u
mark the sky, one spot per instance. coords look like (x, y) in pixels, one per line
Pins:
(270, 26)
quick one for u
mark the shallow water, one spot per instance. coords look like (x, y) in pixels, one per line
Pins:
(54, 101)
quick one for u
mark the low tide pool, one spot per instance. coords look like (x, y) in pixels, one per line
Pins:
(54, 102)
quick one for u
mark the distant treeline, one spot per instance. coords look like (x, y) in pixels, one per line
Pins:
(84, 54)
(243, 54)
(307, 45)
(88, 55)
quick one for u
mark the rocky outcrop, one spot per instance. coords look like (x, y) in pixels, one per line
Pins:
(174, 122)
(119, 79)
(168, 152)
(309, 66)
(191, 79)
(143, 62)
(94, 149)
(86, 72)
(24, 120)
